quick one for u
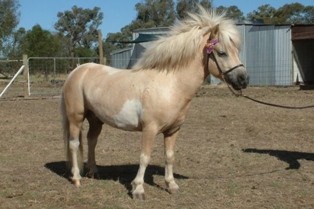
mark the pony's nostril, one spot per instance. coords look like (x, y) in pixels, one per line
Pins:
(241, 78)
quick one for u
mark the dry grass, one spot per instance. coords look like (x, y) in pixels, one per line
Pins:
(231, 153)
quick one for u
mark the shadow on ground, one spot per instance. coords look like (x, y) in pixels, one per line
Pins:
(289, 157)
(122, 173)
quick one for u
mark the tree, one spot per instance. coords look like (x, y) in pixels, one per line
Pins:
(13, 49)
(79, 27)
(264, 12)
(150, 14)
(185, 6)
(39, 43)
(294, 13)
(232, 12)
(155, 13)
(309, 15)
(289, 13)
(9, 19)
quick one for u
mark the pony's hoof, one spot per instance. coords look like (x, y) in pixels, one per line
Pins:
(94, 175)
(172, 191)
(172, 188)
(77, 183)
(139, 196)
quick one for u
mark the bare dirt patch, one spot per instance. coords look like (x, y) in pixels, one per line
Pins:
(231, 153)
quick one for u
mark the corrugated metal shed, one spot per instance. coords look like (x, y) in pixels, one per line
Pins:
(133, 54)
(267, 53)
(121, 58)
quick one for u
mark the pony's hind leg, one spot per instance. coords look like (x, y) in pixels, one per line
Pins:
(95, 126)
(75, 150)
(169, 142)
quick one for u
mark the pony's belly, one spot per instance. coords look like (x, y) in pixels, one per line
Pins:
(126, 125)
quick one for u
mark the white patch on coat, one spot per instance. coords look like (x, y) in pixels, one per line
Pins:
(130, 115)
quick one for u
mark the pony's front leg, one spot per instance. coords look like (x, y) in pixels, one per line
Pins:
(91, 161)
(137, 184)
(169, 142)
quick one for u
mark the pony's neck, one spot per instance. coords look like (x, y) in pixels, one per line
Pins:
(193, 76)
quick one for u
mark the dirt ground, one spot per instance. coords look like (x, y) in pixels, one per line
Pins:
(230, 153)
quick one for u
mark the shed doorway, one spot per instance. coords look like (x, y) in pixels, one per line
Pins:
(303, 45)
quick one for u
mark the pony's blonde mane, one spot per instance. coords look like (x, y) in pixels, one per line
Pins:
(181, 44)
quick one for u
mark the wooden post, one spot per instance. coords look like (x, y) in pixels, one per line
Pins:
(25, 74)
(101, 56)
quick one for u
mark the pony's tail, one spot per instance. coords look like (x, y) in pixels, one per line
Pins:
(66, 138)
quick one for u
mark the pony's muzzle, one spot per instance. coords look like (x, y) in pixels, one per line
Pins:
(239, 79)
(243, 80)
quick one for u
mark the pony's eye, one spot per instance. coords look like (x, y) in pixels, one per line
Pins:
(222, 54)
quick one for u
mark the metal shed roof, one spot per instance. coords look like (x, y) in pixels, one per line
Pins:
(302, 32)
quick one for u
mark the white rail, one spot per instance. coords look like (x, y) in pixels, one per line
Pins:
(9, 84)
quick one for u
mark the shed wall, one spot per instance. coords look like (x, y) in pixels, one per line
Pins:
(121, 58)
(266, 53)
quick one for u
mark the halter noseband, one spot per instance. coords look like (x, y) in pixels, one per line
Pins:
(210, 50)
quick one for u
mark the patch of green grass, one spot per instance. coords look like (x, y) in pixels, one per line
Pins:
(277, 185)
(4, 193)
(113, 207)
(232, 189)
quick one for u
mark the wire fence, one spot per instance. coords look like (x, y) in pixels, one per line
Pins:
(46, 75)
(9, 67)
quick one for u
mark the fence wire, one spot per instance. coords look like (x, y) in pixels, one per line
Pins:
(47, 74)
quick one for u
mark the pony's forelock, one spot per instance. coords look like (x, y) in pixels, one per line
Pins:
(181, 44)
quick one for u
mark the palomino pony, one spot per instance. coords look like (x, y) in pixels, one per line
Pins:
(154, 96)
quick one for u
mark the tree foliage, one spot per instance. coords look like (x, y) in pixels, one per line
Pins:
(39, 43)
(185, 6)
(13, 49)
(150, 14)
(294, 13)
(155, 13)
(308, 15)
(79, 27)
(9, 19)
(264, 12)
(232, 12)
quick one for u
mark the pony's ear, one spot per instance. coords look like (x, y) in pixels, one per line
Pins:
(214, 31)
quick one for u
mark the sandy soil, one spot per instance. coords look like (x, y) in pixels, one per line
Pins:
(231, 153)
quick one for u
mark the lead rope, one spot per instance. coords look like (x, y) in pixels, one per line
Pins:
(240, 94)
(277, 105)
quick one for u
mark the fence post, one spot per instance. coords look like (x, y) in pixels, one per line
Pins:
(101, 56)
(25, 74)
